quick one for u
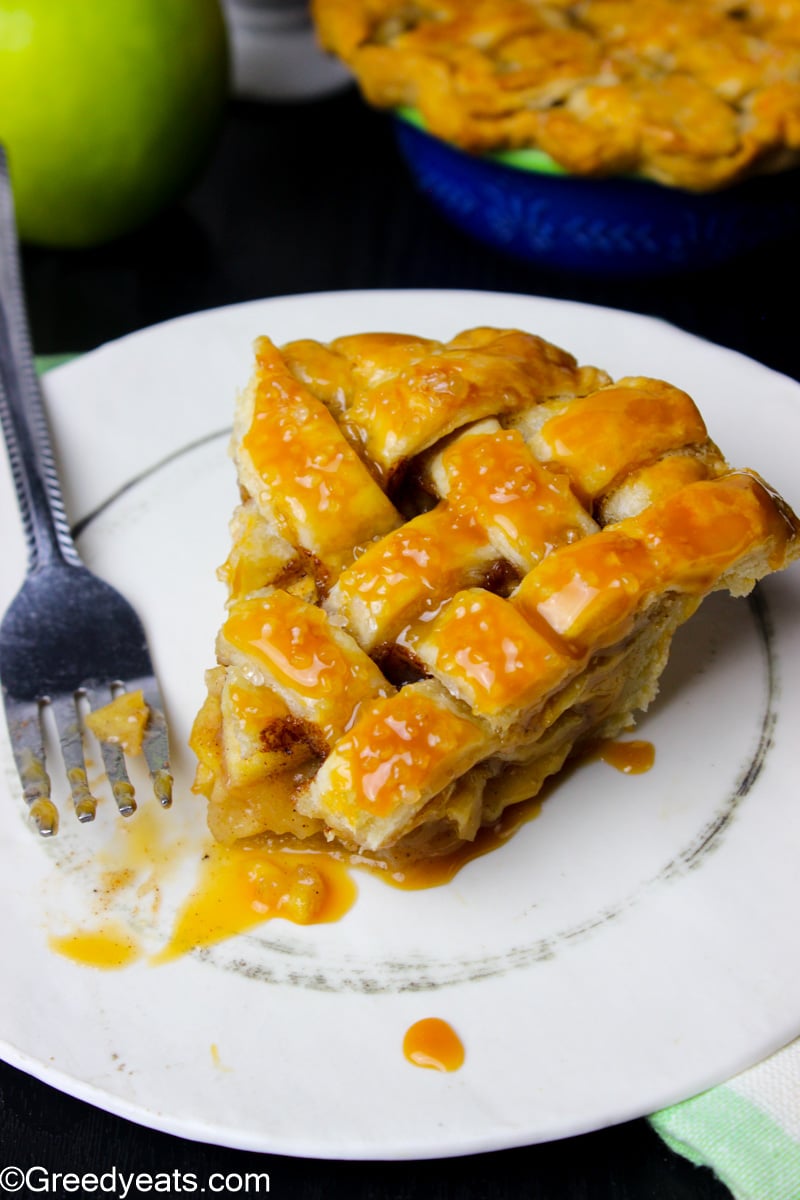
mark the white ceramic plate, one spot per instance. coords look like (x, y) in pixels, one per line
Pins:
(635, 944)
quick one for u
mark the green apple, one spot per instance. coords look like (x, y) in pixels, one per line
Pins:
(108, 109)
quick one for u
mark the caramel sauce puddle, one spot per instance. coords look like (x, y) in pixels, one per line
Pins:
(108, 946)
(241, 886)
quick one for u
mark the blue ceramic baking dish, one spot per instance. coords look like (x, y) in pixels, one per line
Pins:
(522, 204)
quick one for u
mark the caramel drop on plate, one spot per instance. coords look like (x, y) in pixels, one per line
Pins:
(435, 1044)
(632, 758)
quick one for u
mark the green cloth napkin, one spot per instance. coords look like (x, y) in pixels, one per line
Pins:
(45, 361)
(747, 1130)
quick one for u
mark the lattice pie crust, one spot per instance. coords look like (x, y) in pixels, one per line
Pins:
(692, 93)
(452, 566)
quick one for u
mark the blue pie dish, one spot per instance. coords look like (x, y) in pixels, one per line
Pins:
(524, 205)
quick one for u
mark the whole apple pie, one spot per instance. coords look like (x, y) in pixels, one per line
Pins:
(692, 93)
(452, 566)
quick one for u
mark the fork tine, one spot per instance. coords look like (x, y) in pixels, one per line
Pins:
(156, 743)
(27, 743)
(114, 763)
(68, 724)
(121, 786)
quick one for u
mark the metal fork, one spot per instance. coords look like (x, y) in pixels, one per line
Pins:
(68, 639)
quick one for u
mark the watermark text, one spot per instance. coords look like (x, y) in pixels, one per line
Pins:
(122, 1185)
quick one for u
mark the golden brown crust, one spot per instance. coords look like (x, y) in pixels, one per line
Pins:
(454, 658)
(691, 93)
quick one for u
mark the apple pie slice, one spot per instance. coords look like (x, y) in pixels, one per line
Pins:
(452, 566)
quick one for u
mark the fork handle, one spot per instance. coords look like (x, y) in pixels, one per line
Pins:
(24, 422)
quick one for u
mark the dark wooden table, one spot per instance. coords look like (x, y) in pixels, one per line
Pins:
(314, 197)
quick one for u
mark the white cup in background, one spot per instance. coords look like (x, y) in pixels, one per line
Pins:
(275, 54)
